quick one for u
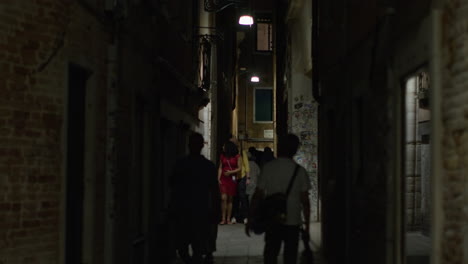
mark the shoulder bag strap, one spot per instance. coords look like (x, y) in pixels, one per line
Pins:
(292, 180)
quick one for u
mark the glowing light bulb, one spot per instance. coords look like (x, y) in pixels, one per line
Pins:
(246, 20)
(255, 79)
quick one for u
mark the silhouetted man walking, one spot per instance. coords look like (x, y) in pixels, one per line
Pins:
(196, 201)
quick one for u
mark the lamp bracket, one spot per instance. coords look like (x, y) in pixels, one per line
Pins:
(219, 5)
(212, 34)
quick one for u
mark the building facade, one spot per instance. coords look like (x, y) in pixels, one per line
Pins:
(98, 98)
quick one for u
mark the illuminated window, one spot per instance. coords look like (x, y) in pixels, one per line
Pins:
(264, 34)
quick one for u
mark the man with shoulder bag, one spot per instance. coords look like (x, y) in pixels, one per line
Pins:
(282, 194)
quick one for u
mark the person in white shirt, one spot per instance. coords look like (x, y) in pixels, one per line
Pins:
(253, 173)
(274, 178)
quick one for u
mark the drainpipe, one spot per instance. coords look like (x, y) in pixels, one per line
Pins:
(437, 191)
(110, 154)
(246, 136)
(114, 70)
(415, 151)
(348, 192)
(315, 58)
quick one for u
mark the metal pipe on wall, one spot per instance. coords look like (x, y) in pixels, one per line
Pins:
(315, 55)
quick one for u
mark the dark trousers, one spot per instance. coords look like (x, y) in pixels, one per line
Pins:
(273, 240)
(212, 236)
(194, 233)
(240, 204)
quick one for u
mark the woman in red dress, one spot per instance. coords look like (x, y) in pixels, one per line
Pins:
(229, 166)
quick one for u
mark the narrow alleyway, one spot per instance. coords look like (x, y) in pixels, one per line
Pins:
(99, 98)
(234, 247)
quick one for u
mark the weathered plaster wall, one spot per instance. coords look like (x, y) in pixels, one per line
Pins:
(302, 107)
(455, 132)
(303, 120)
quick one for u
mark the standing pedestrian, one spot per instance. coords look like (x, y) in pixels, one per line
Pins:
(267, 156)
(253, 174)
(240, 201)
(229, 166)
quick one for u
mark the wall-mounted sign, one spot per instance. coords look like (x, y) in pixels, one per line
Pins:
(268, 133)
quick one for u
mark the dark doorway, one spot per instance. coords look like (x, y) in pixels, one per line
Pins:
(77, 78)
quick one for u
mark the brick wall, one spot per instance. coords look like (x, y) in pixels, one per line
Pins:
(455, 132)
(36, 44)
(31, 123)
